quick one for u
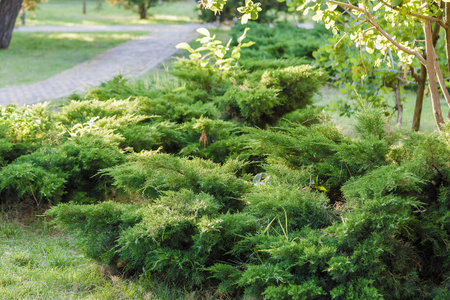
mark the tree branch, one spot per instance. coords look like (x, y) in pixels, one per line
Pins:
(441, 78)
(412, 14)
(372, 21)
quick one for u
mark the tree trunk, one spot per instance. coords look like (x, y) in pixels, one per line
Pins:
(447, 34)
(23, 16)
(441, 79)
(398, 103)
(432, 83)
(84, 7)
(9, 9)
(421, 82)
(142, 11)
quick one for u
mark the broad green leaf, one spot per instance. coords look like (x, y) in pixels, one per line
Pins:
(205, 40)
(245, 18)
(248, 44)
(195, 56)
(378, 6)
(203, 31)
(229, 43)
(396, 2)
(242, 37)
(184, 46)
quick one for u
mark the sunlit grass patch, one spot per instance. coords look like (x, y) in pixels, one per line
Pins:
(69, 13)
(38, 263)
(33, 57)
(330, 94)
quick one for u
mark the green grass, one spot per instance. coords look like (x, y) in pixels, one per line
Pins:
(40, 263)
(34, 57)
(69, 13)
(427, 124)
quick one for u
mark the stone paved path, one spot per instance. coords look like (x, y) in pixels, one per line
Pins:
(131, 59)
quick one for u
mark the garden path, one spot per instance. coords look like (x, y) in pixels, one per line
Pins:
(131, 59)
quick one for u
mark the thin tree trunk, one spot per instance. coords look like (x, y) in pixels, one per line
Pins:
(432, 83)
(398, 103)
(447, 39)
(447, 34)
(441, 78)
(421, 82)
(9, 9)
(142, 11)
(84, 7)
(23, 16)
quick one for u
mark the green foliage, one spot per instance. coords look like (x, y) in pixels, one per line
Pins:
(291, 208)
(77, 112)
(152, 174)
(254, 105)
(281, 41)
(359, 77)
(197, 77)
(279, 91)
(97, 226)
(180, 105)
(51, 172)
(268, 13)
(212, 54)
(329, 217)
(118, 88)
(138, 6)
(24, 124)
(296, 86)
(231, 181)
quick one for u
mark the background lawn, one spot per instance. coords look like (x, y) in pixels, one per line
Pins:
(427, 124)
(33, 57)
(67, 13)
(39, 262)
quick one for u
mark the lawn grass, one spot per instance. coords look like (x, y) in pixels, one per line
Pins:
(33, 57)
(40, 263)
(69, 13)
(427, 124)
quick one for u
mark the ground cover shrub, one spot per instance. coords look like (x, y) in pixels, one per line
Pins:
(190, 206)
(76, 112)
(278, 92)
(330, 216)
(118, 88)
(180, 105)
(150, 174)
(281, 41)
(249, 198)
(51, 172)
(198, 77)
(97, 226)
(380, 250)
(217, 140)
(24, 129)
